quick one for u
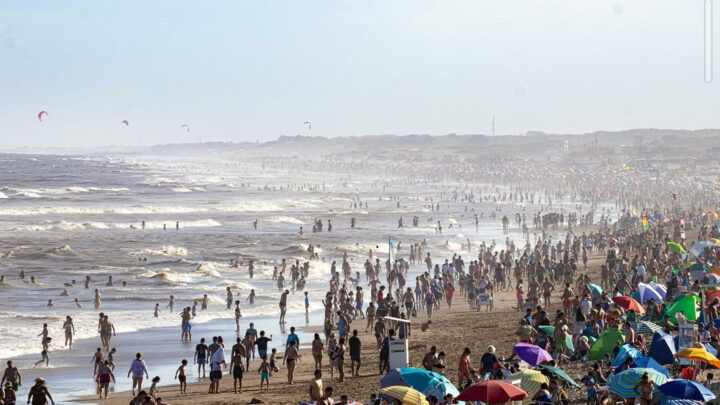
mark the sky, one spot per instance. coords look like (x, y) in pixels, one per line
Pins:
(255, 70)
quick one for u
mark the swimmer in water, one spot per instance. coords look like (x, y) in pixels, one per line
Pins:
(50, 304)
(64, 293)
(251, 297)
(97, 299)
(109, 283)
(157, 309)
(77, 303)
(32, 280)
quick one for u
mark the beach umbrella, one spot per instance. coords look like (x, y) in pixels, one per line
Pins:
(687, 389)
(649, 362)
(698, 248)
(532, 354)
(629, 304)
(545, 369)
(647, 292)
(625, 352)
(643, 327)
(688, 305)
(676, 247)
(407, 395)
(547, 329)
(427, 382)
(606, 343)
(622, 384)
(680, 401)
(661, 289)
(662, 348)
(699, 354)
(530, 380)
(596, 291)
(711, 349)
(492, 392)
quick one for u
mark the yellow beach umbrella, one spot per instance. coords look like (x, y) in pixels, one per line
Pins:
(530, 381)
(698, 354)
(407, 395)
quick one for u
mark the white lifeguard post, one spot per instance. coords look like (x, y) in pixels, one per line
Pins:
(399, 355)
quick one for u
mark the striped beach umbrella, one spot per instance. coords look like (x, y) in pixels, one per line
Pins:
(643, 327)
(407, 395)
(622, 384)
(679, 401)
(530, 381)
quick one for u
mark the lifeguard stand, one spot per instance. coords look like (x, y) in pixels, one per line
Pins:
(399, 354)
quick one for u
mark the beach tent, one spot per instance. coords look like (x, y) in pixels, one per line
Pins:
(688, 305)
(662, 348)
(606, 343)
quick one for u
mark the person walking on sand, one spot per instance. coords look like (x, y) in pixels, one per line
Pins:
(201, 351)
(39, 393)
(12, 375)
(104, 375)
(138, 368)
(236, 366)
(264, 371)
(181, 376)
(291, 357)
(317, 351)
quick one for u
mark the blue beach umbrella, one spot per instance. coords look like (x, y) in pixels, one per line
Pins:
(622, 384)
(427, 382)
(649, 362)
(625, 352)
(686, 389)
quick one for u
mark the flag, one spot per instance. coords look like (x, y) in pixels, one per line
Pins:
(645, 223)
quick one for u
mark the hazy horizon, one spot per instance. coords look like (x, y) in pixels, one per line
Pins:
(245, 71)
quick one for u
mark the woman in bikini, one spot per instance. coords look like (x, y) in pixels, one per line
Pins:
(464, 367)
(644, 389)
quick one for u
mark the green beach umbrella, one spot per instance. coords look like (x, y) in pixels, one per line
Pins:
(676, 247)
(547, 329)
(688, 305)
(554, 371)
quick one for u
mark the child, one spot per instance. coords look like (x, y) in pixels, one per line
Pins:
(154, 390)
(592, 395)
(180, 376)
(110, 358)
(157, 310)
(45, 353)
(97, 359)
(264, 372)
(273, 368)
